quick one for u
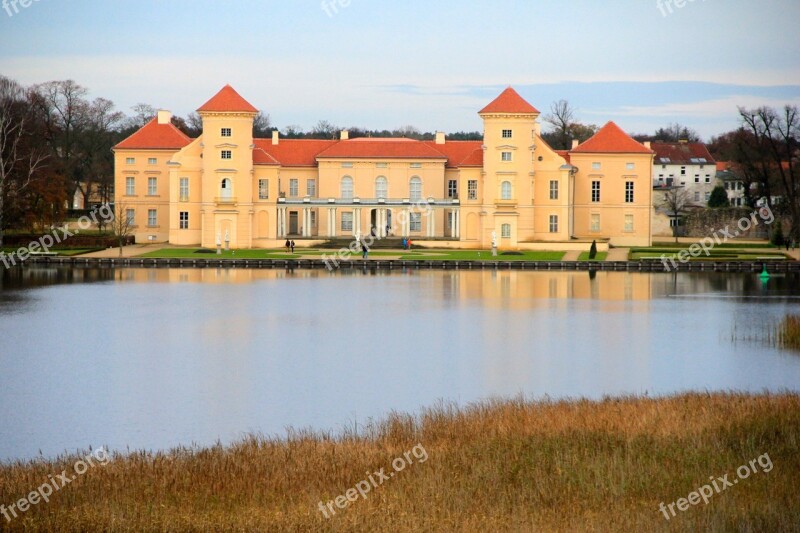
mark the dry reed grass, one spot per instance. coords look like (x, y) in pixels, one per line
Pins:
(494, 466)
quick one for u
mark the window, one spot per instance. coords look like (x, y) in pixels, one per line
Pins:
(505, 190)
(727, 186)
(553, 190)
(452, 189)
(596, 166)
(347, 165)
(225, 132)
(130, 186)
(184, 220)
(415, 221)
(226, 154)
(683, 171)
(696, 196)
(313, 219)
(226, 188)
(263, 189)
(739, 186)
(381, 187)
(311, 188)
(507, 134)
(472, 189)
(595, 222)
(505, 231)
(415, 188)
(293, 187)
(152, 217)
(697, 178)
(708, 196)
(506, 157)
(152, 161)
(628, 192)
(416, 165)
(630, 166)
(708, 178)
(381, 165)
(346, 191)
(152, 186)
(130, 215)
(628, 223)
(130, 160)
(184, 189)
(553, 223)
(595, 191)
(347, 221)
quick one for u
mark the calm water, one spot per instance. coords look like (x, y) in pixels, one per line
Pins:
(157, 358)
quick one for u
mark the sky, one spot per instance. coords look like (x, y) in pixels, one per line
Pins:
(431, 64)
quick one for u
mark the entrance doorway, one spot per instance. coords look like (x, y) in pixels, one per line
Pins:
(293, 228)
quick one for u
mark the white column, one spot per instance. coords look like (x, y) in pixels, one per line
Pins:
(283, 222)
(407, 224)
(331, 222)
(458, 224)
(358, 221)
(431, 216)
(280, 223)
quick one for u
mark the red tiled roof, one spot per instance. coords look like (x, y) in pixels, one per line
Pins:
(509, 101)
(228, 100)
(289, 152)
(682, 153)
(722, 166)
(460, 153)
(382, 148)
(611, 139)
(564, 154)
(155, 136)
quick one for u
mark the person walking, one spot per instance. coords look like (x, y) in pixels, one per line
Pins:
(288, 245)
(292, 246)
(364, 251)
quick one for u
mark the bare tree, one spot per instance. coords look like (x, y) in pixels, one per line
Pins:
(122, 225)
(194, 124)
(262, 126)
(20, 159)
(561, 118)
(777, 141)
(142, 114)
(675, 202)
(325, 130)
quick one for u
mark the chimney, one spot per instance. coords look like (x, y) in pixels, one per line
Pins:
(275, 137)
(575, 143)
(683, 141)
(164, 116)
(647, 145)
(345, 135)
(439, 137)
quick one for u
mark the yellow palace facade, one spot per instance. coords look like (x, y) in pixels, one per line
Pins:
(510, 188)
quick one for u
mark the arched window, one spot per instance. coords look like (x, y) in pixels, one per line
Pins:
(226, 188)
(415, 188)
(347, 188)
(381, 187)
(505, 190)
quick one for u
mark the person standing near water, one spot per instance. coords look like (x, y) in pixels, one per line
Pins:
(292, 243)
(364, 250)
(288, 245)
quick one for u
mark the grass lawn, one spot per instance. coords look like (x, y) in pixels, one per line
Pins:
(721, 245)
(59, 251)
(600, 256)
(718, 253)
(502, 465)
(300, 253)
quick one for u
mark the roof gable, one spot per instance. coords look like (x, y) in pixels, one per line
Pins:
(611, 139)
(228, 100)
(155, 136)
(509, 101)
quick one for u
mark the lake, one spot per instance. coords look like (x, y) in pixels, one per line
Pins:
(156, 358)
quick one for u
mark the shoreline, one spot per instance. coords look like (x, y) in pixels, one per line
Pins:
(649, 265)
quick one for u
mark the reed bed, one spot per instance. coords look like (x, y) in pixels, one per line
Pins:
(502, 465)
(789, 333)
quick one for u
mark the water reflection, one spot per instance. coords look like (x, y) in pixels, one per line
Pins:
(152, 358)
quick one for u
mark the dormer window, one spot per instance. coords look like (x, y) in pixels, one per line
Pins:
(225, 132)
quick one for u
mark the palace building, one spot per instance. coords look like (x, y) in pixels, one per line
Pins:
(254, 193)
